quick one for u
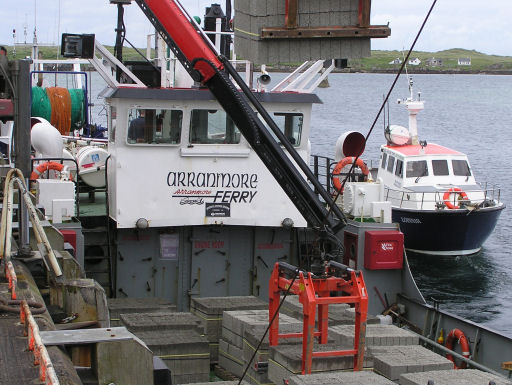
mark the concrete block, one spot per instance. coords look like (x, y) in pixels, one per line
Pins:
(111, 358)
(408, 359)
(376, 335)
(449, 377)
(277, 373)
(185, 353)
(290, 357)
(341, 378)
(118, 306)
(135, 322)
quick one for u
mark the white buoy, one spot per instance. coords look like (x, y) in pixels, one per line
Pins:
(91, 165)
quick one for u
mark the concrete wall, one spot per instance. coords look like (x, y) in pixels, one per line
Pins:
(251, 16)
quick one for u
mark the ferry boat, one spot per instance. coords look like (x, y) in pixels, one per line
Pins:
(435, 198)
(202, 201)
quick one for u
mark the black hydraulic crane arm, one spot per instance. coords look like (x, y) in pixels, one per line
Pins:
(204, 64)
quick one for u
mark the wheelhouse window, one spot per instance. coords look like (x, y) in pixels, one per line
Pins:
(154, 126)
(391, 163)
(440, 167)
(212, 127)
(416, 169)
(461, 168)
(399, 168)
(383, 163)
(290, 124)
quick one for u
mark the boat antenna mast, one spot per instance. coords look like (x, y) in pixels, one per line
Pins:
(383, 105)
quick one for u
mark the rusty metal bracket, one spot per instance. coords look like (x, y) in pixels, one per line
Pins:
(372, 31)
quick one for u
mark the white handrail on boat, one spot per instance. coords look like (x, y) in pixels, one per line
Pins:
(436, 197)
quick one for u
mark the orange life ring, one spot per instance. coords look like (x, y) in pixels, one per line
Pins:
(47, 166)
(454, 190)
(456, 335)
(345, 162)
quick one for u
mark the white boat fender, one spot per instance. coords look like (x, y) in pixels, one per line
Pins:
(45, 139)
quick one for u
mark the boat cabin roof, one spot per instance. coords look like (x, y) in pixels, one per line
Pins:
(429, 149)
(205, 94)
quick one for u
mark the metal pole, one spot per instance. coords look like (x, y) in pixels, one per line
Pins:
(457, 355)
(22, 112)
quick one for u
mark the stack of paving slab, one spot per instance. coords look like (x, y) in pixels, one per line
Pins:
(453, 377)
(339, 313)
(340, 378)
(210, 309)
(286, 361)
(118, 306)
(177, 338)
(241, 332)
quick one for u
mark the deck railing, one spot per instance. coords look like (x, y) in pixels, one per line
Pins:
(487, 195)
(322, 167)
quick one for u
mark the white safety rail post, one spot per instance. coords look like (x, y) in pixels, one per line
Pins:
(47, 373)
(106, 62)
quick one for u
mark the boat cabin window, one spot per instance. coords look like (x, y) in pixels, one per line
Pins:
(154, 126)
(416, 169)
(440, 167)
(391, 163)
(212, 127)
(290, 124)
(399, 168)
(461, 168)
(383, 163)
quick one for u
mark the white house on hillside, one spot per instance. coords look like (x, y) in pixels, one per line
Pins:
(434, 62)
(414, 62)
(464, 61)
(396, 61)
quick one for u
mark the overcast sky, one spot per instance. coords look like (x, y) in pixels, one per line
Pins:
(471, 24)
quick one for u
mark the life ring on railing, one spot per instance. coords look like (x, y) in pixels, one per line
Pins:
(345, 162)
(454, 190)
(456, 335)
(39, 170)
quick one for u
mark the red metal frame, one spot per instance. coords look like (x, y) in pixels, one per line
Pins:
(315, 292)
(47, 373)
(185, 36)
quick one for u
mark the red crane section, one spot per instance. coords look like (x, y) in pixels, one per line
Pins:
(190, 41)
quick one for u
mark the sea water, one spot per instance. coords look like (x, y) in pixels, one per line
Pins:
(469, 113)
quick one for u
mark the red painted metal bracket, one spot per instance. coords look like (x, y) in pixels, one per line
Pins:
(316, 292)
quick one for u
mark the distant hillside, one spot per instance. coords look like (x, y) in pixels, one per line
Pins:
(445, 61)
(378, 62)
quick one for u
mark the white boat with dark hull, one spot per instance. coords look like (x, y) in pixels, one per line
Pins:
(441, 208)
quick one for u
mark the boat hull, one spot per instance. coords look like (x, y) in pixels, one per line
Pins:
(446, 232)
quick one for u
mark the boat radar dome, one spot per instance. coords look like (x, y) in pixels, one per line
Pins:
(397, 135)
(350, 143)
